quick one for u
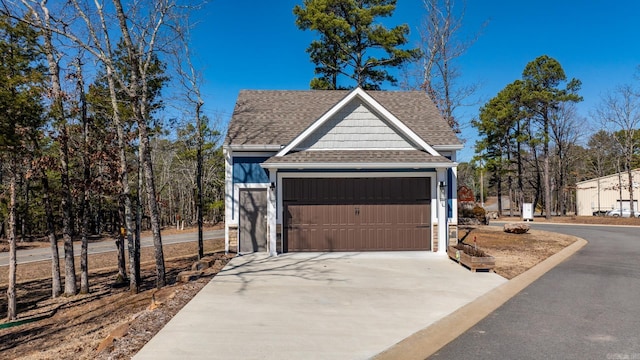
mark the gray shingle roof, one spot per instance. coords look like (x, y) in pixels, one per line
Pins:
(268, 117)
(359, 156)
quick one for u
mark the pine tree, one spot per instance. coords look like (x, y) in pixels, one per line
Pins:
(351, 43)
(21, 112)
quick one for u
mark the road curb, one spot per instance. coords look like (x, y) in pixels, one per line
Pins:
(427, 341)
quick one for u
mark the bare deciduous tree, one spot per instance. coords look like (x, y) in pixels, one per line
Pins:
(441, 45)
(619, 111)
(565, 133)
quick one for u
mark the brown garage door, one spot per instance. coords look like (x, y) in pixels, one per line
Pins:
(357, 214)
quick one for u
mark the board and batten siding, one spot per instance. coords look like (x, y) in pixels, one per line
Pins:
(356, 126)
(605, 192)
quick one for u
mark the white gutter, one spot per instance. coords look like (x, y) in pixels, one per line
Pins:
(252, 147)
(448, 147)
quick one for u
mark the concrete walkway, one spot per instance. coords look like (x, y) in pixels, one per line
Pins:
(317, 306)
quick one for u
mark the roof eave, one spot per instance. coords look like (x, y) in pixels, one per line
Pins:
(362, 94)
(448, 147)
(252, 147)
(358, 165)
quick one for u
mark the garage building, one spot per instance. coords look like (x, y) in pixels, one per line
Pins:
(606, 193)
(339, 171)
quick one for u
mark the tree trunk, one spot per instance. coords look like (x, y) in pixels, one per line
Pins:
(520, 171)
(153, 205)
(199, 184)
(138, 237)
(619, 185)
(56, 282)
(137, 92)
(546, 171)
(12, 311)
(125, 195)
(122, 269)
(84, 253)
(538, 183)
(70, 287)
(630, 176)
(499, 186)
(24, 224)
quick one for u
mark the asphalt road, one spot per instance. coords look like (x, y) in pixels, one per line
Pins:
(41, 254)
(588, 307)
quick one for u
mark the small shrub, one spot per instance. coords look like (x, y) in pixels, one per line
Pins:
(479, 213)
(470, 250)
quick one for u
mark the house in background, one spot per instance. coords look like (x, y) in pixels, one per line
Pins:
(604, 193)
(339, 171)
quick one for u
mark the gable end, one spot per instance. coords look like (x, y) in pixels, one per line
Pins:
(356, 126)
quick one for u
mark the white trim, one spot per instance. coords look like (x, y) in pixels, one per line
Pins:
(254, 153)
(358, 165)
(228, 194)
(454, 192)
(358, 92)
(359, 149)
(252, 147)
(236, 199)
(442, 213)
(448, 147)
(271, 215)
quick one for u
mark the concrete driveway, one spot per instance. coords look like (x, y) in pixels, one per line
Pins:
(317, 306)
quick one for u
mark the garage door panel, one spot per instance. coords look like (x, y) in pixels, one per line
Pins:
(357, 214)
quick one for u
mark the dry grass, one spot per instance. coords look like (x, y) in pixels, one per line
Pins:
(514, 253)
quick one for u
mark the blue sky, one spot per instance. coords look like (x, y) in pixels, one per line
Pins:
(251, 44)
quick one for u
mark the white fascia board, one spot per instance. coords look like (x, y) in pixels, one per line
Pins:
(342, 166)
(253, 147)
(370, 101)
(357, 149)
(253, 153)
(448, 147)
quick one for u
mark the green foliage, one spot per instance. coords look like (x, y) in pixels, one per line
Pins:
(351, 43)
(189, 135)
(542, 93)
(23, 83)
(516, 125)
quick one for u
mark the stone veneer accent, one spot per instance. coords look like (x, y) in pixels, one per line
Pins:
(434, 232)
(279, 238)
(233, 238)
(453, 234)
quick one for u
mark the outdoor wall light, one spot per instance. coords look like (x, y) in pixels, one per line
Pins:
(443, 188)
(272, 186)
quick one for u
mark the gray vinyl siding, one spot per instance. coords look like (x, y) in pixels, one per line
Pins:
(356, 127)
